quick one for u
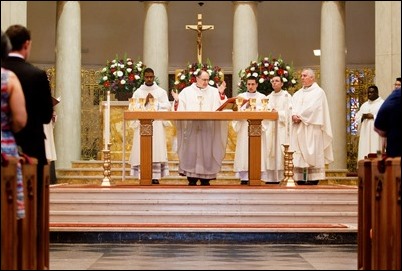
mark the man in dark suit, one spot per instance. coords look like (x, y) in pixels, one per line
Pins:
(36, 88)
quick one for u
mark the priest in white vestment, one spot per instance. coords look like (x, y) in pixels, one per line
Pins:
(240, 165)
(311, 136)
(369, 140)
(201, 145)
(280, 101)
(150, 90)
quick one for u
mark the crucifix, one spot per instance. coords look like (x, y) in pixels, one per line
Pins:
(199, 28)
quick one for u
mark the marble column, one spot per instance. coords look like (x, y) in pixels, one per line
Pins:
(68, 83)
(387, 45)
(245, 38)
(156, 53)
(332, 64)
(13, 12)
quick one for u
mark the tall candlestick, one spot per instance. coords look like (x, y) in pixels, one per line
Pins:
(286, 127)
(105, 125)
(107, 134)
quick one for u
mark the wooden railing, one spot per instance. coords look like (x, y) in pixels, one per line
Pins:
(147, 117)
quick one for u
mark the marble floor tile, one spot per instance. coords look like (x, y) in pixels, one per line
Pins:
(202, 257)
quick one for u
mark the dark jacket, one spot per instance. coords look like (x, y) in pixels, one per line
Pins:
(38, 100)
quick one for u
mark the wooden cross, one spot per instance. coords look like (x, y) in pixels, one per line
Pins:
(199, 28)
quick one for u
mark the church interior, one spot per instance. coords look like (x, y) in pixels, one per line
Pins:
(100, 217)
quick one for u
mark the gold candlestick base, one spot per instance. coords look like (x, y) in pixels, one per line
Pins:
(288, 181)
(106, 166)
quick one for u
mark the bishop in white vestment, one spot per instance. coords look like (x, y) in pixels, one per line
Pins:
(201, 145)
(311, 136)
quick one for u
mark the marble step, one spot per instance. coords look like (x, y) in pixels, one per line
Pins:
(203, 205)
(180, 180)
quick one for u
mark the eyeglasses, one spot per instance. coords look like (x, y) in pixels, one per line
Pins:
(397, 84)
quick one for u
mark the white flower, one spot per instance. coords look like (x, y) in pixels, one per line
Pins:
(284, 80)
(211, 82)
(252, 69)
(261, 80)
(293, 81)
(255, 74)
(129, 70)
(182, 77)
(122, 81)
(120, 73)
(137, 77)
(271, 72)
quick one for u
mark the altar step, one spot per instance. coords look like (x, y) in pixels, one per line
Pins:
(91, 172)
(122, 208)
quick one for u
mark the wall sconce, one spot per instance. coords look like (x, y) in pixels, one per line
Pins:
(317, 52)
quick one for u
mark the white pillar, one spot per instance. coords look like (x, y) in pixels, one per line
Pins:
(13, 12)
(156, 53)
(332, 64)
(387, 45)
(68, 83)
(245, 38)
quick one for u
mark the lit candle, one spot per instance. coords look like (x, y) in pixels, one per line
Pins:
(107, 126)
(286, 126)
(104, 124)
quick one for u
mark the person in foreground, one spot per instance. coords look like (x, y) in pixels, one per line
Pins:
(387, 123)
(240, 165)
(156, 98)
(13, 118)
(311, 136)
(201, 145)
(369, 141)
(39, 106)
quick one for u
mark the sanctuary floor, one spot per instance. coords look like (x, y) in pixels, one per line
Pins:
(202, 257)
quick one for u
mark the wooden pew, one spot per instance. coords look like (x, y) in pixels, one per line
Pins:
(43, 250)
(27, 227)
(386, 214)
(9, 237)
(364, 215)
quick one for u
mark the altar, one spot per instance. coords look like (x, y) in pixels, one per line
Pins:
(117, 109)
(146, 118)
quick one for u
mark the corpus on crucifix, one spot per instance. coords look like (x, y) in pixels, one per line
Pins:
(199, 28)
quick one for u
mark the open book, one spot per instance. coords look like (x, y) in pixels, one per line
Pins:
(230, 104)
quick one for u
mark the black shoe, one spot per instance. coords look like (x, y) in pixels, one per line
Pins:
(205, 182)
(312, 182)
(155, 181)
(244, 182)
(192, 181)
(273, 182)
